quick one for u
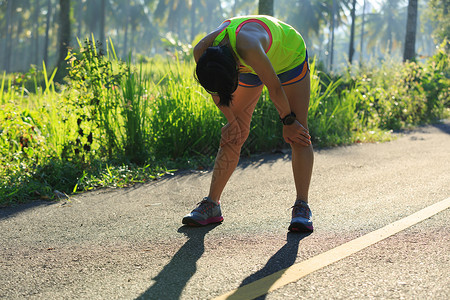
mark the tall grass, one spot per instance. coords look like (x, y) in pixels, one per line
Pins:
(114, 123)
(184, 121)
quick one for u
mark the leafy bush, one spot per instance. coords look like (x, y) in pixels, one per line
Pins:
(114, 124)
(401, 95)
(91, 103)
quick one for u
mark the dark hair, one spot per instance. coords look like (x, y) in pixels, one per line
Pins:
(217, 72)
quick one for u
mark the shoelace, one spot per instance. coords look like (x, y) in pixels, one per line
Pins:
(300, 210)
(204, 206)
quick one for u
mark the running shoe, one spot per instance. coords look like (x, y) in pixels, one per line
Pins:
(207, 212)
(301, 217)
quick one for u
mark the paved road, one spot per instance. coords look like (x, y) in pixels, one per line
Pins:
(129, 243)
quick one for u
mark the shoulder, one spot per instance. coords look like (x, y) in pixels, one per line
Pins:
(252, 38)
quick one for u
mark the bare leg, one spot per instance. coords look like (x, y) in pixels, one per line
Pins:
(234, 135)
(302, 157)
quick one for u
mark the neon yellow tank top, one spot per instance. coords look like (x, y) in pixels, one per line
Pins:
(287, 48)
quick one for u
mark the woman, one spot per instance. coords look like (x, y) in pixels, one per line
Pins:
(233, 63)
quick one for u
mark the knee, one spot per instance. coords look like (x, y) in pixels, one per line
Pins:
(234, 135)
(300, 147)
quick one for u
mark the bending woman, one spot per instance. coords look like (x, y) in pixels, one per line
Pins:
(234, 62)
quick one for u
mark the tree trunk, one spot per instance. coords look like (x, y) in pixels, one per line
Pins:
(351, 50)
(35, 48)
(102, 24)
(265, 7)
(92, 19)
(193, 20)
(80, 18)
(390, 31)
(333, 21)
(47, 29)
(7, 46)
(411, 28)
(18, 58)
(64, 38)
(361, 52)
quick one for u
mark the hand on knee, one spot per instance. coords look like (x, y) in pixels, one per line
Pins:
(296, 133)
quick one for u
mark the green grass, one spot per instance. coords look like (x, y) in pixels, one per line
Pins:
(114, 124)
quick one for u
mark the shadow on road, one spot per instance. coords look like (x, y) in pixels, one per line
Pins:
(282, 259)
(10, 211)
(444, 126)
(172, 279)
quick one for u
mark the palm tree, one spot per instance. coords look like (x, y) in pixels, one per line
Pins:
(265, 7)
(333, 26)
(438, 14)
(425, 45)
(102, 21)
(171, 15)
(47, 30)
(361, 45)
(249, 7)
(411, 28)
(64, 38)
(351, 50)
(37, 10)
(386, 28)
(193, 9)
(307, 16)
(312, 17)
(136, 23)
(79, 17)
(7, 45)
(337, 7)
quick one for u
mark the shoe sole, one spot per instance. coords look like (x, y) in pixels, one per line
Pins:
(192, 222)
(300, 228)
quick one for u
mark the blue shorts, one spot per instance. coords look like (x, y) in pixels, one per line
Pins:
(289, 77)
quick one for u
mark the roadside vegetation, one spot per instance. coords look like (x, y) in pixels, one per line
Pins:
(113, 124)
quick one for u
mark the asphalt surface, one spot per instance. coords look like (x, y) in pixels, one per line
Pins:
(129, 243)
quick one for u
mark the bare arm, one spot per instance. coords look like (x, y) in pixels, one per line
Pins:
(207, 41)
(252, 51)
(199, 49)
